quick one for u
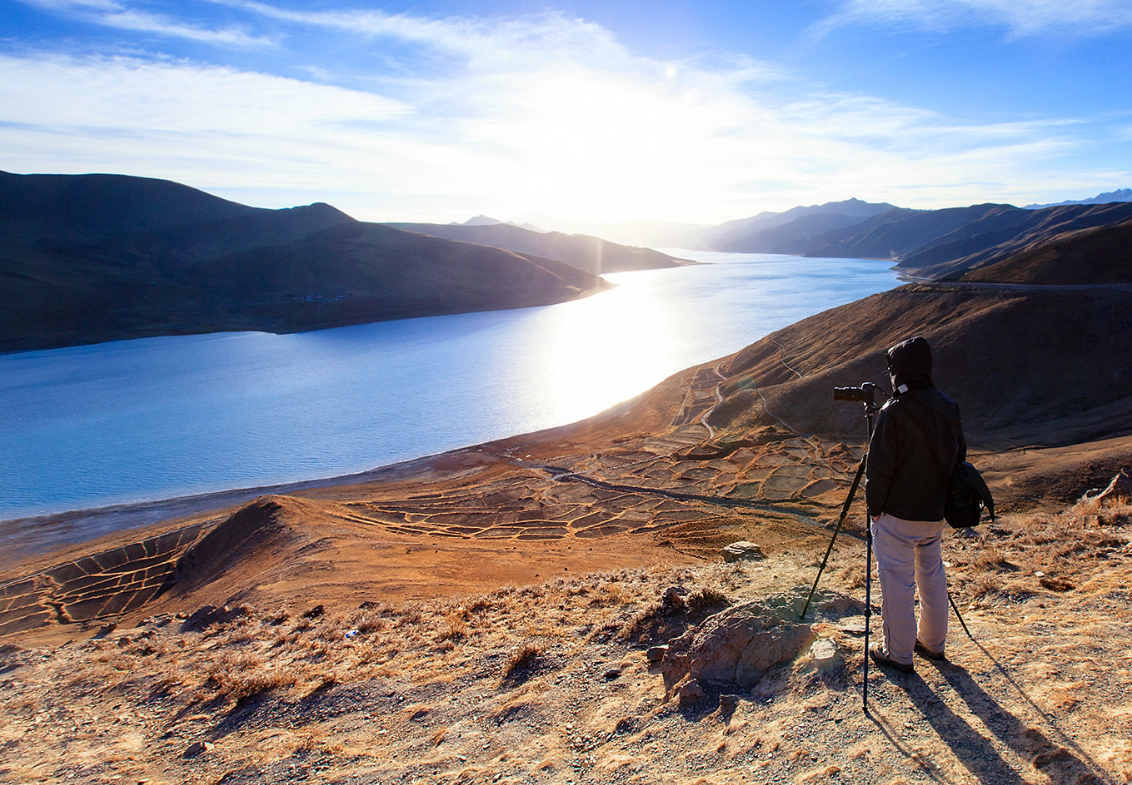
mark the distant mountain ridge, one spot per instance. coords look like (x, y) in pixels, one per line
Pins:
(487, 220)
(770, 232)
(592, 254)
(647, 234)
(1119, 195)
(90, 258)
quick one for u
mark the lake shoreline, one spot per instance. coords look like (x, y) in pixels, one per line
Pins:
(36, 535)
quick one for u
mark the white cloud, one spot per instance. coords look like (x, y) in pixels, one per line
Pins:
(1021, 17)
(133, 96)
(113, 14)
(543, 113)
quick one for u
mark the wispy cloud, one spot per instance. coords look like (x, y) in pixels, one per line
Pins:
(116, 15)
(1020, 17)
(534, 113)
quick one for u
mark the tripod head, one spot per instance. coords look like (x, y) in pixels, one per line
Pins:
(866, 394)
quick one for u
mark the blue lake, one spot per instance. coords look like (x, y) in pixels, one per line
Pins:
(161, 417)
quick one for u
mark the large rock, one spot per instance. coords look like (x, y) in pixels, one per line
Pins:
(739, 551)
(1117, 491)
(736, 646)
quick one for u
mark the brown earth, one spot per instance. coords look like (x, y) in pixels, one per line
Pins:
(484, 616)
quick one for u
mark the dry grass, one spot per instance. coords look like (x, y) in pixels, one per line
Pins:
(241, 675)
(1027, 555)
(707, 598)
(456, 626)
(993, 558)
(521, 662)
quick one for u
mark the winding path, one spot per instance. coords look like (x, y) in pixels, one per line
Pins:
(718, 400)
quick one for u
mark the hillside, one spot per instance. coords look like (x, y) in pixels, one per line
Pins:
(557, 681)
(985, 343)
(1102, 255)
(94, 258)
(976, 246)
(592, 254)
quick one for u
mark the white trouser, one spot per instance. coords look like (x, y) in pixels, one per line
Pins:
(908, 558)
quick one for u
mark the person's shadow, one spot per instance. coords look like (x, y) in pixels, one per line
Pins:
(973, 749)
(1063, 763)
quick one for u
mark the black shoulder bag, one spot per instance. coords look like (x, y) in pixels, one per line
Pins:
(967, 496)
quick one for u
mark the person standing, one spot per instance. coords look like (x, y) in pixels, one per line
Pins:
(916, 443)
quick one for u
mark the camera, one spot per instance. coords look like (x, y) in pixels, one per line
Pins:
(864, 393)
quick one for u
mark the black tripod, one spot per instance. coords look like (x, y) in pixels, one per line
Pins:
(866, 395)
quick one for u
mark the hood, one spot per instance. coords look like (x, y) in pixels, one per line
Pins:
(910, 365)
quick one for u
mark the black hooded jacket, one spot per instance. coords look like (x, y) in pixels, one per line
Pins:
(917, 440)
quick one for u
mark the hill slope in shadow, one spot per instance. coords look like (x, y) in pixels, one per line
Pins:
(1102, 255)
(1037, 349)
(93, 258)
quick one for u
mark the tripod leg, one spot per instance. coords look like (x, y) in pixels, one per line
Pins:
(868, 606)
(959, 615)
(844, 511)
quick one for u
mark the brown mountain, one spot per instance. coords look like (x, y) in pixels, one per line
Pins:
(94, 258)
(1051, 366)
(1087, 256)
(577, 250)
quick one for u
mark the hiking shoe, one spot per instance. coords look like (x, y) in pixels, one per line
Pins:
(876, 652)
(924, 651)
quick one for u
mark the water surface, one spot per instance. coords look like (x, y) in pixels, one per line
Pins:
(160, 417)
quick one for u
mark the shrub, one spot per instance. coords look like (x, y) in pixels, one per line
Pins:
(521, 663)
(707, 598)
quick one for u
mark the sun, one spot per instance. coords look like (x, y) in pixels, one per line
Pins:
(599, 148)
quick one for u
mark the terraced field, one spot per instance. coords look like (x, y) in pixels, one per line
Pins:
(106, 584)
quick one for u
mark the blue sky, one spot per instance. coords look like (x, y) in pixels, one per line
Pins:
(680, 111)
